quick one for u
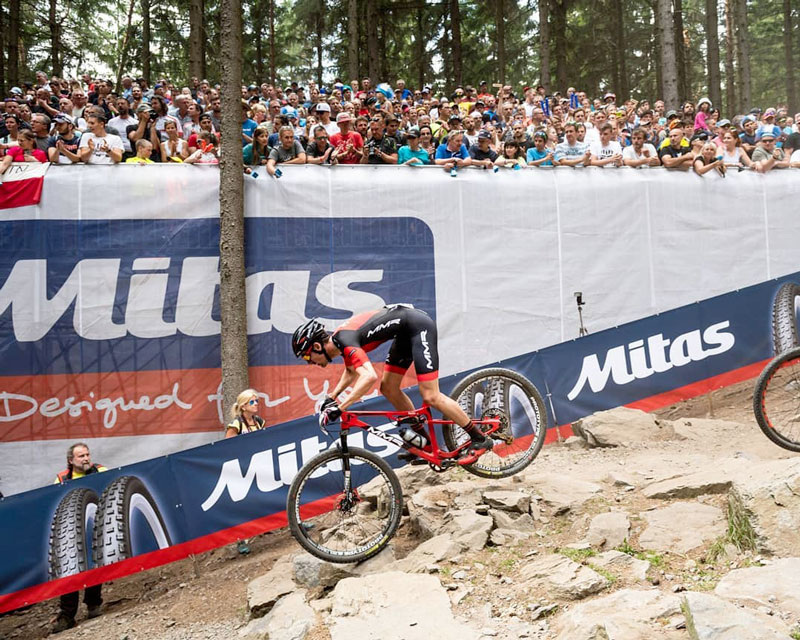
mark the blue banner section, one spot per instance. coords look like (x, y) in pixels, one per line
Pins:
(138, 295)
(200, 491)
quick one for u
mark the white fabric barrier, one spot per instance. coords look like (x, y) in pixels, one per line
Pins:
(510, 248)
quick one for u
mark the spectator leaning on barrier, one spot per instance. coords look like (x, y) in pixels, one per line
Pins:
(40, 125)
(640, 153)
(539, 155)
(572, 153)
(288, 151)
(144, 149)
(412, 153)
(64, 145)
(319, 149)
(97, 146)
(79, 465)
(481, 152)
(767, 156)
(378, 148)
(675, 154)
(26, 151)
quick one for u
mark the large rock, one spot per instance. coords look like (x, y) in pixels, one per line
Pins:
(430, 552)
(609, 530)
(290, 619)
(560, 491)
(776, 586)
(394, 606)
(514, 501)
(310, 571)
(627, 614)
(264, 591)
(714, 480)
(767, 496)
(504, 520)
(622, 427)
(711, 618)
(681, 527)
(469, 529)
(621, 563)
(559, 576)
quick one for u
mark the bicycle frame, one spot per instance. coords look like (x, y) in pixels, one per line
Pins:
(432, 453)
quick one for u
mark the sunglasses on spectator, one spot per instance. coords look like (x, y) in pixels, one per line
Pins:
(320, 137)
(254, 401)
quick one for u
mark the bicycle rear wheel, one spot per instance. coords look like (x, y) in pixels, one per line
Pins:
(341, 524)
(776, 401)
(515, 401)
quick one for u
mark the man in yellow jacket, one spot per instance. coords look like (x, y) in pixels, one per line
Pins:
(79, 464)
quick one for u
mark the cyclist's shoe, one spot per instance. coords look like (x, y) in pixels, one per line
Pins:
(95, 611)
(478, 442)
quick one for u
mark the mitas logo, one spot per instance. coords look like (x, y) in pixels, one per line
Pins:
(641, 359)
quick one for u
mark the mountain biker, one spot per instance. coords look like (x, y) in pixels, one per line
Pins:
(414, 339)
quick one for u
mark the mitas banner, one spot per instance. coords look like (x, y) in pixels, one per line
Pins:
(169, 507)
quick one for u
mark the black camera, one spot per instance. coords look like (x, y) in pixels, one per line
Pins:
(153, 116)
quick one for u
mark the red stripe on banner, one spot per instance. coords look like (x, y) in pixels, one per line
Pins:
(127, 403)
(20, 193)
(564, 431)
(54, 588)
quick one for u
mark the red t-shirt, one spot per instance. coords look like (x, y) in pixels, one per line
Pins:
(340, 141)
(18, 154)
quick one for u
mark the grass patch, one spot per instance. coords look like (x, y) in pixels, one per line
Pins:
(740, 530)
(653, 557)
(795, 634)
(688, 617)
(576, 555)
(612, 579)
(716, 550)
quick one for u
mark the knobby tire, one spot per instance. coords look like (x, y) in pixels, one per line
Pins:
(776, 400)
(328, 526)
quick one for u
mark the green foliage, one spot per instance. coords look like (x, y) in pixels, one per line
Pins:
(654, 558)
(311, 40)
(576, 555)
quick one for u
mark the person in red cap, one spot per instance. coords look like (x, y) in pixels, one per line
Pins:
(348, 144)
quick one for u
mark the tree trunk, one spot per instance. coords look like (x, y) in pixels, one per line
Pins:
(383, 68)
(788, 32)
(272, 61)
(258, 36)
(419, 43)
(319, 28)
(743, 55)
(500, 26)
(352, 41)
(666, 41)
(123, 54)
(373, 53)
(455, 29)
(560, 35)
(232, 294)
(681, 54)
(444, 43)
(196, 37)
(622, 88)
(730, 53)
(544, 44)
(3, 45)
(13, 43)
(146, 41)
(712, 45)
(55, 39)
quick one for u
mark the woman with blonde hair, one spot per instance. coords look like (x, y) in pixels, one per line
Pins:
(244, 420)
(244, 414)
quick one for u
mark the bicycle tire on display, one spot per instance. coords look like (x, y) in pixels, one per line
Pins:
(68, 552)
(112, 539)
(332, 529)
(507, 458)
(776, 400)
(784, 318)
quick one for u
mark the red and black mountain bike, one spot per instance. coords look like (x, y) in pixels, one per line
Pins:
(344, 505)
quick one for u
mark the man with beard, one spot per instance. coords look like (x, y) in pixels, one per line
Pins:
(121, 122)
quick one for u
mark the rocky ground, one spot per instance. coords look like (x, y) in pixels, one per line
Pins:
(679, 524)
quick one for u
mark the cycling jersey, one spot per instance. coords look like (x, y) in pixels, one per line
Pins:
(412, 330)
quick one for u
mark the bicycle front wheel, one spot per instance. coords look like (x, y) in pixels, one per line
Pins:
(340, 515)
(776, 401)
(516, 403)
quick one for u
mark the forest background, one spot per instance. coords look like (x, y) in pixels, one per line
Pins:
(739, 53)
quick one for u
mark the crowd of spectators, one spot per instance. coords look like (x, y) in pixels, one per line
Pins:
(87, 121)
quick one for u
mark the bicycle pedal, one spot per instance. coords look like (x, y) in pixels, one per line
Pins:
(410, 458)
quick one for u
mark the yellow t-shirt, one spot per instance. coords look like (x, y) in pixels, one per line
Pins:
(138, 160)
(242, 427)
(79, 474)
